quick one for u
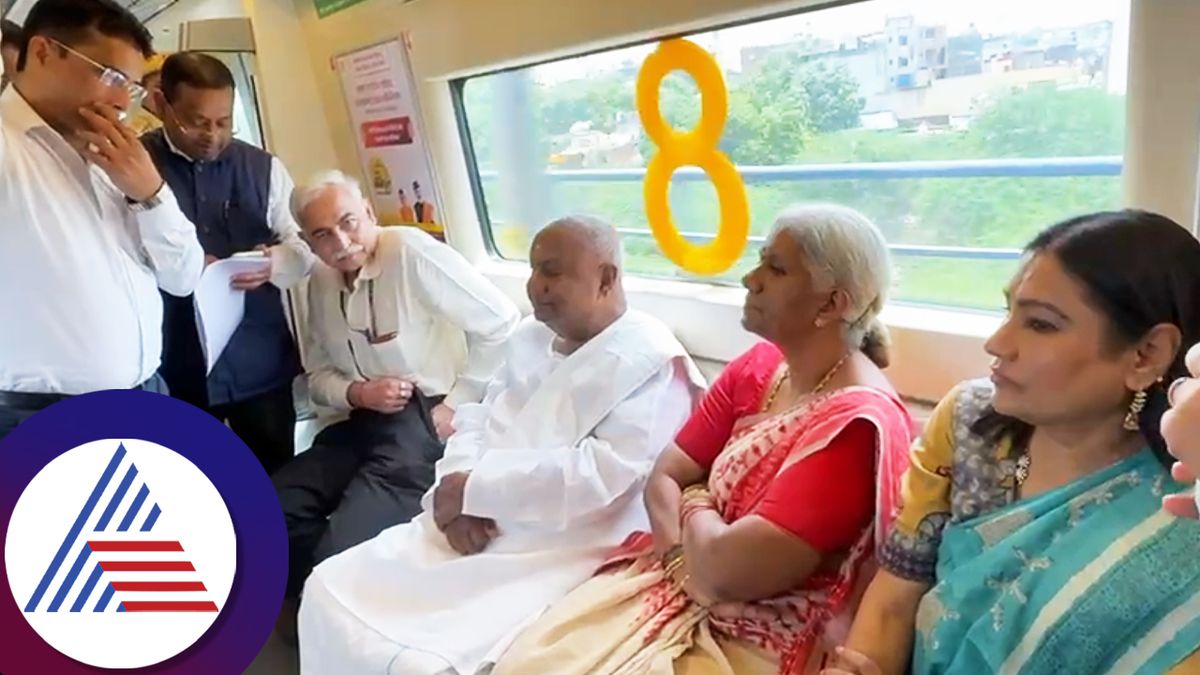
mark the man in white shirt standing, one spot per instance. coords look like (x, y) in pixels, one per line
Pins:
(538, 485)
(402, 331)
(237, 196)
(89, 232)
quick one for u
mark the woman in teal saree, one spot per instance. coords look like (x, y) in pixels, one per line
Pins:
(1031, 538)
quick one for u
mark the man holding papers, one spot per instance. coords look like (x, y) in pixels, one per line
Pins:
(236, 195)
(402, 331)
(539, 483)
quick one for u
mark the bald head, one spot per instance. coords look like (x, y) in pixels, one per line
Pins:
(598, 235)
(575, 285)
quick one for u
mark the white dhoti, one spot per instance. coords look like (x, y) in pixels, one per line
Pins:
(558, 454)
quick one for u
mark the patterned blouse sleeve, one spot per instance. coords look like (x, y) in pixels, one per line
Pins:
(911, 550)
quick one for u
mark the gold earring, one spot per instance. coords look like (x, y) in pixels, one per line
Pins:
(1135, 409)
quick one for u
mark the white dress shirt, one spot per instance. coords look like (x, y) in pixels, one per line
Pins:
(79, 270)
(291, 259)
(417, 310)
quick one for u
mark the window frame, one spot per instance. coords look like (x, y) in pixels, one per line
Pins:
(457, 87)
(941, 313)
(933, 348)
(470, 159)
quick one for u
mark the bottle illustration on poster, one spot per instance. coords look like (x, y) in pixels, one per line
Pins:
(407, 215)
(423, 209)
(381, 178)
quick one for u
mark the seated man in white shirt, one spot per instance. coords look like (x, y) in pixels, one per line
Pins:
(402, 330)
(89, 232)
(538, 483)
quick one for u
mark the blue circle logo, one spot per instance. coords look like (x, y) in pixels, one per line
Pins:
(139, 534)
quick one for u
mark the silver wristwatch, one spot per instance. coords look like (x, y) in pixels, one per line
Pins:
(148, 203)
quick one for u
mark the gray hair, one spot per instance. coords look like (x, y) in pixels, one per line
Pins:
(605, 239)
(304, 194)
(846, 251)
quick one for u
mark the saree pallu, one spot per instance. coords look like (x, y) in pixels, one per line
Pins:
(631, 618)
(1088, 579)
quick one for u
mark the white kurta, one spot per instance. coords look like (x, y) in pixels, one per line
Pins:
(558, 452)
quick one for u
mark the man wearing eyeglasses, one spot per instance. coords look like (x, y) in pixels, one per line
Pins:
(236, 194)
(89, 232)
(402, 331)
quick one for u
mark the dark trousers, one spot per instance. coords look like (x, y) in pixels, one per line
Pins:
(10, 417)
(18, 407)
(360, 477)
(266, 423)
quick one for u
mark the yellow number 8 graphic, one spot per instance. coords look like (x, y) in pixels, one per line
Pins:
(697, 147)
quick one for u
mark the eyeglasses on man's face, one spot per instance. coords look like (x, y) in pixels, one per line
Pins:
(223, 127)
(108, 76)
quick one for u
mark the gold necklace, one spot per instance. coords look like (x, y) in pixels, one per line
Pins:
(817, 389)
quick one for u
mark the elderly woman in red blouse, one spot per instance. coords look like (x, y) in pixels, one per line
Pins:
(774, 494)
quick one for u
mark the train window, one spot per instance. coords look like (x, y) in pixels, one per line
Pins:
(1012, 118)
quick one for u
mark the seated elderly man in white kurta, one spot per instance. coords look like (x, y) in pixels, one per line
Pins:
(538, 483)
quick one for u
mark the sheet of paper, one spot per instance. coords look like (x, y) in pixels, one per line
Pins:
(219, 306)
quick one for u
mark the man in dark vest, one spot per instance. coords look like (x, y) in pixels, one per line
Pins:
(237, 197)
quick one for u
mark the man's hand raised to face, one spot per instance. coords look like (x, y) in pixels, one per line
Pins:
(115, 148)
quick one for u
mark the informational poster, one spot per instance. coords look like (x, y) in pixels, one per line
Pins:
(378, 84)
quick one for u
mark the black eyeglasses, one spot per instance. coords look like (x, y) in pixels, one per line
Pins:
(194, 130)
(109, 76)
(371, 333)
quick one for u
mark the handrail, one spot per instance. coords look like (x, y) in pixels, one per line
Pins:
(1042, 167)
(903, 250)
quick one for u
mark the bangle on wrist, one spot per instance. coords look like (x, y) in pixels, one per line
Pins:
(673, 567)
(672, 554)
